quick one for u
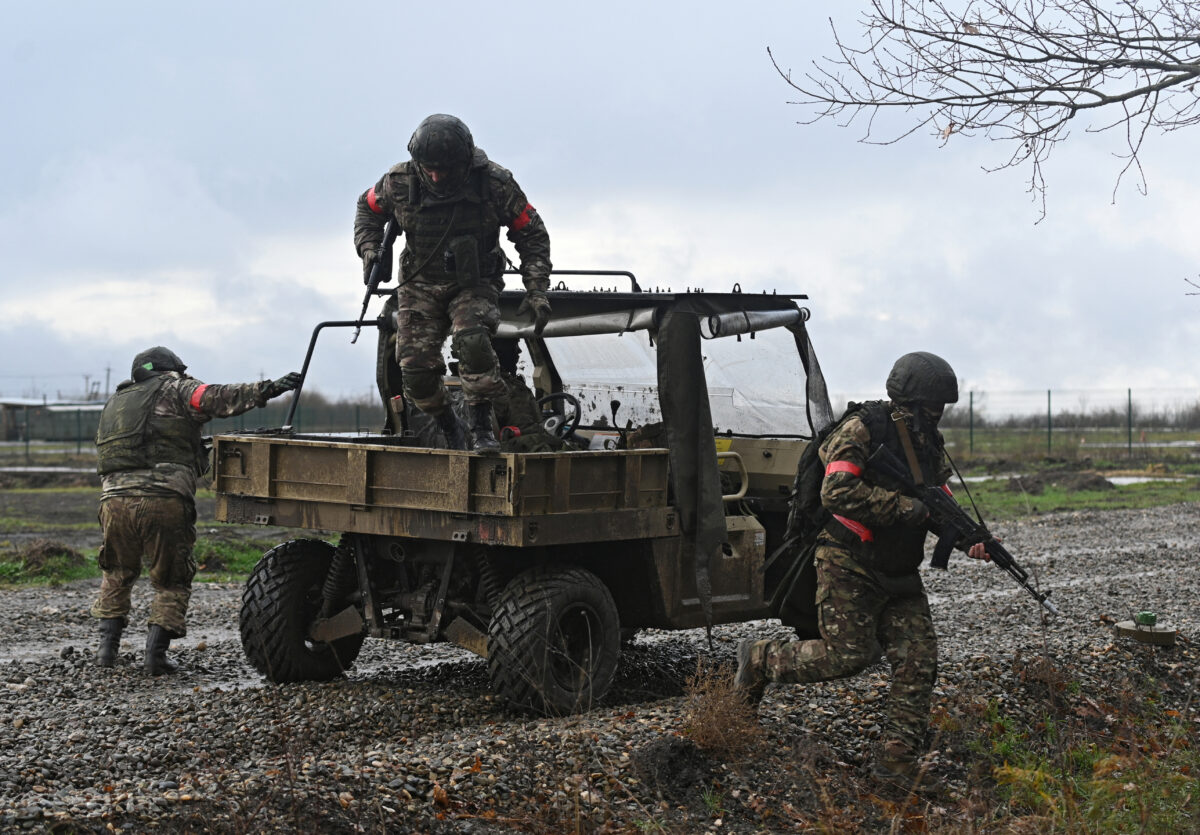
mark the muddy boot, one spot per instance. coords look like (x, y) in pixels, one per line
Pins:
(452, 429)
(751, 678)
(481, 427)
(110, 641)
(896, 764)
(157, 641)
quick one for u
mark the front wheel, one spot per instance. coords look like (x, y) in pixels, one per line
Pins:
(281, 600)
(554, 640)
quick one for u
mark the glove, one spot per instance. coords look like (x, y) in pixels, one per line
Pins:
(917, 516)
(288, 382)
(369, 257)
(536, 304)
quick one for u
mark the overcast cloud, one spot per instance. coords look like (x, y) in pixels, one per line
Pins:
(186, 175)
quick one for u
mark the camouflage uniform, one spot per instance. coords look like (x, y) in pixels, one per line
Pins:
(147, 507)
(438, 296)
(869, 592)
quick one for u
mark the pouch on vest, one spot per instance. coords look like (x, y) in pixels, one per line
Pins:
(461, 259)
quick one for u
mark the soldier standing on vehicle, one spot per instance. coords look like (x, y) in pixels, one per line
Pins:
(150, 455)
(869, 591)
(450, 201)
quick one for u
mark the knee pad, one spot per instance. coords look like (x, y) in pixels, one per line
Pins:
(421, 384)
(473, 347)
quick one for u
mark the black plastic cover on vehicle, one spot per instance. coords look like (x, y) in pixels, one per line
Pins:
(683, 395)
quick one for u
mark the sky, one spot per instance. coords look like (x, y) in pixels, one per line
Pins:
(186, 175)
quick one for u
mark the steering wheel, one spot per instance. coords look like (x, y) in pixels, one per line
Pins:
(562, 426)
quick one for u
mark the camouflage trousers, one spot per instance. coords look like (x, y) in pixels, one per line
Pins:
(854, 612)
(160, 532)
(428, 312)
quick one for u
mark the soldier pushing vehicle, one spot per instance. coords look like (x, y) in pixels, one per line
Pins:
(150, 455)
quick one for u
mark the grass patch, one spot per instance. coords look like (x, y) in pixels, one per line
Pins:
(16, 524)
(997, 500)
(46, 562)
(221, 558)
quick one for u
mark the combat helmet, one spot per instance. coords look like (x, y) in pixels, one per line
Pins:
(443, 144)
(154, 361)
(922, 377)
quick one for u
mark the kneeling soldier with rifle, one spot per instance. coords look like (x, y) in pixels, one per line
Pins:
(869, 591)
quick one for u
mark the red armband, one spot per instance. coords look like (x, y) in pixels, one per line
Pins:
(373, 202)
(860, 530)
(843, 467)
(522, 219)
(196, 395)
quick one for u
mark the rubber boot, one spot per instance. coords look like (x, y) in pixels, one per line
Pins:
(751, 678)
(110, 641)
(157, 641)
(481, 428)
(452, 429)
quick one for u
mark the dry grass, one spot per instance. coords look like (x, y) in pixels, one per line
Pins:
(717, 717)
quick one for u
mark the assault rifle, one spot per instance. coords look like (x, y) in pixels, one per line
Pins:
(377, 273)
(953, 525)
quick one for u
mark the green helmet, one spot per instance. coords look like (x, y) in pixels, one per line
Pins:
(922, 377)
(154, 361)
(442, 144)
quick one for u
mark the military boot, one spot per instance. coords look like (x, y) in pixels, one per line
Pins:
(896, 764)
(452, 429)
(751, 678)
(481, 427)
(157, 641)
(110, 641)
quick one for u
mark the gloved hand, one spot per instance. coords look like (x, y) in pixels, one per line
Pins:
(536, 304)
(917, 516)
(369, 257)
(288, 382)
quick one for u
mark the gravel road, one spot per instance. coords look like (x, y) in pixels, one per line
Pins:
(411, 740)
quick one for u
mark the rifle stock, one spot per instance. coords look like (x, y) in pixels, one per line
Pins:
(953, 525)
(377, 273)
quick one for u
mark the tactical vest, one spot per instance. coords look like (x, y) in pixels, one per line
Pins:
(896, 549)
(131, 437)
(432, 225)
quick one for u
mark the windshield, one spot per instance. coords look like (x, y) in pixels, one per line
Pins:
(755, 386)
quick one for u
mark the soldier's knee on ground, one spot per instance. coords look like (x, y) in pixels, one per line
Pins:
(473, 347)
(848, 661)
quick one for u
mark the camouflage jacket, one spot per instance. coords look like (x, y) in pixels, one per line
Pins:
(865, 507)
(496, 200)
(184, 397)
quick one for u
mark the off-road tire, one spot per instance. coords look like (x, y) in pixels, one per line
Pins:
(280, 601)
(554, 640)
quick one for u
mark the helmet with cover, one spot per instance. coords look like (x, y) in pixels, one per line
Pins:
(155, 361)
(442, 148)
(922, 378)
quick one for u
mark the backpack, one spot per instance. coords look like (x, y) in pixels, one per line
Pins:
(791, 574)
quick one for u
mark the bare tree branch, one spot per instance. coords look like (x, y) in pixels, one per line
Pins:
(1016, 71)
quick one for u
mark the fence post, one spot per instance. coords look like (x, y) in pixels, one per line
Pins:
(971, 422)
(1049, 421)
(1129, 418)
(78, 431)
(28, 460)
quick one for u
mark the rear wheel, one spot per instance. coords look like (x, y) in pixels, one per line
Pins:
(554, 640)
(281, 599)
